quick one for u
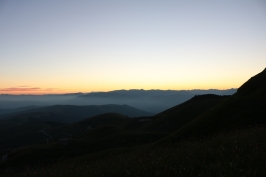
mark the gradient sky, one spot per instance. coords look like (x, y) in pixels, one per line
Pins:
(83, 45)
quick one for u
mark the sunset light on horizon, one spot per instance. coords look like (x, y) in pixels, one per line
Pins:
(64, 46)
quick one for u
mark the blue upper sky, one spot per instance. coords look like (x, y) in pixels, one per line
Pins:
(83, 45)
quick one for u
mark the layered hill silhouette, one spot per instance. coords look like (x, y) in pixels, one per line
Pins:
(27, 127)
(202, 121)
(70, 113)
(174, 118)
(254, 87)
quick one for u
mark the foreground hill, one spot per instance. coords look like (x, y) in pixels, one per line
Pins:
(176, 117)
(254, 87)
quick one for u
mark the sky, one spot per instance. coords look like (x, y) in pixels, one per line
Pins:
(67, 46)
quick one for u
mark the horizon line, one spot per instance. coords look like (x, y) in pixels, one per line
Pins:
(70, 93)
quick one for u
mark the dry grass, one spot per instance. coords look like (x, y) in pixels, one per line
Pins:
(238, 153)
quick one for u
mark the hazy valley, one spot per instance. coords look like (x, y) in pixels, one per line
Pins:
(153, 101)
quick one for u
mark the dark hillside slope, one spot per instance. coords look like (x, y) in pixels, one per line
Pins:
(243, 109)
(174, 118)
(82, 127)
(255, 86)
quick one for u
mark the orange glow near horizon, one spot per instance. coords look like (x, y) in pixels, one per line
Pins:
(72, 85)
(18, 91)
(93, 46)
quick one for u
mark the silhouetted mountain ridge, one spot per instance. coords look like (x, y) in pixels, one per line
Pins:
(255, 86)
(245, 108)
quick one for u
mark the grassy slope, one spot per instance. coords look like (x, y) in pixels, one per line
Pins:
(176, 117)
(236, 153)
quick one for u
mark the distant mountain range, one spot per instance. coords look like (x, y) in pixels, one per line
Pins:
(153, 101)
